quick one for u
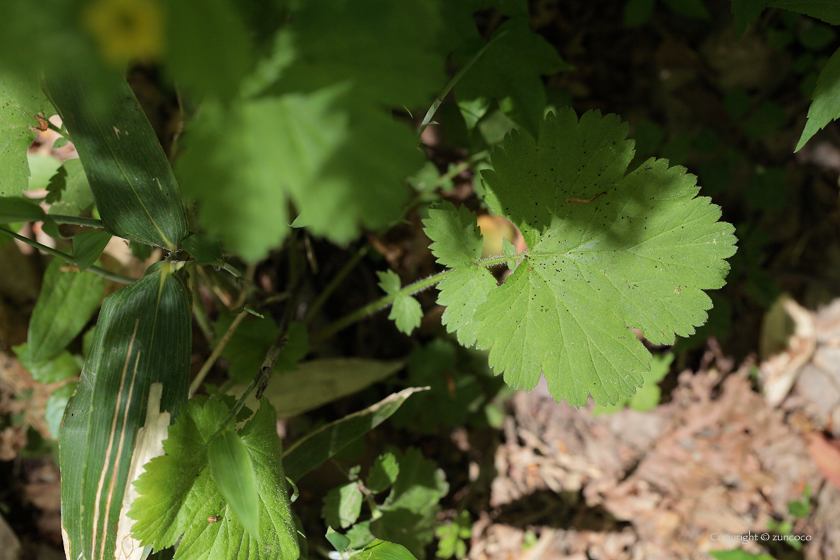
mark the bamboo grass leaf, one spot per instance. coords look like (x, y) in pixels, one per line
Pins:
(142, 337)
(132, 183)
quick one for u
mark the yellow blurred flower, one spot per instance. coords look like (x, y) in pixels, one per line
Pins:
(126, 29)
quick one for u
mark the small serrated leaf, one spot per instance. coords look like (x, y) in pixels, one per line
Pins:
(456, 238)
(20, 101)
(342, 505)
(56, 186)
(180, 499)
(383, 473)
(406, 313)
(826, 100)
(389, 281)
(77, 196)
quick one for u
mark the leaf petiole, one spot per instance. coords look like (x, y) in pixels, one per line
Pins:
(389, 299)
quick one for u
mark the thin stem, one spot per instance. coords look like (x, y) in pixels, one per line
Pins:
(199, 310)
(261, 379)
(75, 220)
(385, 301)
(113, 276)
(217, 351)
(331, 287)
(430, 114)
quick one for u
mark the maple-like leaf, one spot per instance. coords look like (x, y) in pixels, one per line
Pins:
(606, 252)
(179, 497)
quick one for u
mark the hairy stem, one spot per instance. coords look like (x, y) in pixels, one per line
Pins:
(385, 301)
(113, 276)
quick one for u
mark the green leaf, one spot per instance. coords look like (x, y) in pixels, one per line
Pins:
(56, 185)
(76, 197)
(456, 239)
(689, 8)
(405, 310)
(135, 190)
(383, 473)
(41, 168)
(208, 47)
(341, 164)
(747, 11)
(339, 541)
(19, 209)
(384, 550)
(342, 505)
(20, 101)
(139, 358)
(318, 446)
(826, 105)
(510, 71)
(204, 249)
(180, 496)
(88, 246)
(825, 10)
(456, 242)
(738, 554)
(318, 382)
(386, 51)
(606, 252)
(409, 514)
(234, 473)
(460, 384)
(452, 536)
(54, 409)
(57, 368)
(648, 397)
(359, 535)
(67, 302)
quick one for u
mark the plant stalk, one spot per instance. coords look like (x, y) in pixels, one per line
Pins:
(385, 301)
(107, 274)
(75, 220)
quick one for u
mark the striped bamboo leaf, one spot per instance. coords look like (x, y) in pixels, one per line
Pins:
(142, 340)
(133, 185)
